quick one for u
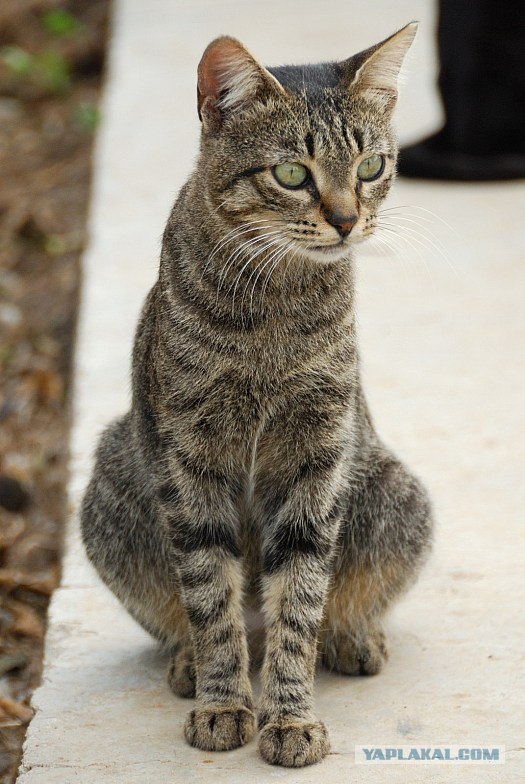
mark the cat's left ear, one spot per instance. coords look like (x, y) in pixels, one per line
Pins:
(229, 77)
(374, 73)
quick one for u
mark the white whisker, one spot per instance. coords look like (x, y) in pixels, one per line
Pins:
(424, 238)
(278, 260)
(278, 245)
(237, 231)
(239, 276)
(396, 249)
(239, 252)
(433, 215)
(410, 241)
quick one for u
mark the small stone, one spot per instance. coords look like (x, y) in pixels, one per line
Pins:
(11, 112)
(10, 315)
(13, 497)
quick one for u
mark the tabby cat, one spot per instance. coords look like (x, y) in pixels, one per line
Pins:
(248, 471)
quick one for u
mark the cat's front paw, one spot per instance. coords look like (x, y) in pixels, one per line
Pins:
(181, 673)
(217, 728)
(294, 743)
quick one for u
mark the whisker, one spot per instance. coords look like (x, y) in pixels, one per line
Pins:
(243, 228)
(290, 259)
(406, 219)
(219, 206)
(278, 253)
(397, 250)
(239, 276)
(423, 209)
(262, 262)
(242, 247)
(415, 234)
(273, 268)
(237, 231)
(410, 242)
(384, 246)
(252, 257)
(239, 252)
(278, 246)
(426, 232)
(390, 211)
(259, 269)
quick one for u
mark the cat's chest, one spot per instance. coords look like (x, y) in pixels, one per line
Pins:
(277, 353)
(223, 395)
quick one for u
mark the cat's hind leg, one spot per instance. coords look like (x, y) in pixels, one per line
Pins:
(384, 540)
(181, 671)
(127, 545)
(352, 640)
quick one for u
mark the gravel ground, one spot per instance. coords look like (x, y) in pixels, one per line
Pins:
(51, 62)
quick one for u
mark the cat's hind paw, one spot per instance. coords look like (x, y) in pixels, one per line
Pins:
(218, 728)
(181, 673)
(350, 655)
(294, 743)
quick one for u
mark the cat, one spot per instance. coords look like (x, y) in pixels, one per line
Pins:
(248, 470)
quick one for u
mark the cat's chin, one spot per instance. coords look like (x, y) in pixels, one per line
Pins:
(326, 255)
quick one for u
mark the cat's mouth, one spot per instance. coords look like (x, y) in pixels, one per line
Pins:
(328, 248)
(326, 253)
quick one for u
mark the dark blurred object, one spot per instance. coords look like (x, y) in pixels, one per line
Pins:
(482, 83)
(13, 497)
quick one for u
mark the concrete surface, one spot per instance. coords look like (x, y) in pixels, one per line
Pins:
(444, 370)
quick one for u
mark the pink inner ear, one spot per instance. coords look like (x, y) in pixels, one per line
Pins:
(212, 67)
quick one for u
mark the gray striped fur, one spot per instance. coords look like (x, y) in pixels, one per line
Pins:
(248, 470)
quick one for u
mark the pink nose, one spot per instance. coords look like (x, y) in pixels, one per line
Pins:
(342, 223)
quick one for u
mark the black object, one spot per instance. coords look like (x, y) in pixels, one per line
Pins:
(482, 83)
(13, 497)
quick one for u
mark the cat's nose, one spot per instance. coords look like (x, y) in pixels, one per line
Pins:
(342, 223)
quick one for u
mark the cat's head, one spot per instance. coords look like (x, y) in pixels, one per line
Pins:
(299, 157)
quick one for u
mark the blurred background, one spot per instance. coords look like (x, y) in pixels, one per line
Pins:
(51, 63)
(440, 319)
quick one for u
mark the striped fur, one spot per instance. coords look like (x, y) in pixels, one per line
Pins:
(248, 470)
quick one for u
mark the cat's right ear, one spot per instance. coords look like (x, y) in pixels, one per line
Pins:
(374, 73)
(228, 78)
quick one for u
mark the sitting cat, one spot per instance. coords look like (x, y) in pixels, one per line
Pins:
(248, 467)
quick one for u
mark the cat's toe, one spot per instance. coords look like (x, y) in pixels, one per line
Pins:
(181, 673)
(217, 728)
(364, 655)
(294, 743)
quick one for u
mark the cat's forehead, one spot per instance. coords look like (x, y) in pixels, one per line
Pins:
(298, 78)
(328, 114)
(328, 125)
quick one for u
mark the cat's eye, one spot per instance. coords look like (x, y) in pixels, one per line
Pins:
(371, 168)
(291, 175)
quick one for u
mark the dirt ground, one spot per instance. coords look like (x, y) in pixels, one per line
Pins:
(51, 63)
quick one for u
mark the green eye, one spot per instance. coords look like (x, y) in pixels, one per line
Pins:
(291, 175)
(371, 168)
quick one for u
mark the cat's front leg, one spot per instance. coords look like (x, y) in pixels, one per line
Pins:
(200, 518)
(298, 550)
(294, 600)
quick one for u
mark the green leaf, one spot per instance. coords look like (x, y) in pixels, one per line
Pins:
(53, 71)
(58, 21)
(87, 117)
(55, 245)
(17, 60)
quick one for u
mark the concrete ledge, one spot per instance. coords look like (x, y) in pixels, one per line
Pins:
(444, 372)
